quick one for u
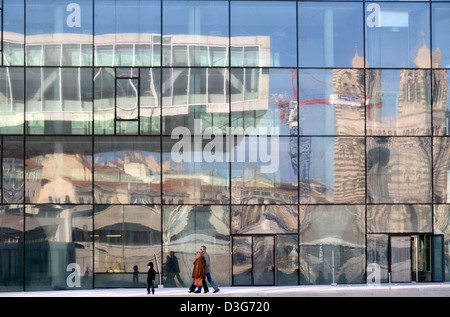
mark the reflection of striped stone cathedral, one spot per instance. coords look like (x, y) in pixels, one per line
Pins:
(348, 89)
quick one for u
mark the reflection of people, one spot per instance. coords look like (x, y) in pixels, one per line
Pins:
(198, 272)
(135, 275)
(208, 268)
(151, 274)
(172, 270)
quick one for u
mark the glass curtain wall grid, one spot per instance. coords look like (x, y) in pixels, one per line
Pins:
(289, 137)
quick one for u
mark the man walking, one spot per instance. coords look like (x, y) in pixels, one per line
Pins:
(208, 268)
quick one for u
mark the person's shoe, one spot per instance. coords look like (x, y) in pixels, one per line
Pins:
(197, 292)
(206, 292)
(217, 290)
(153, 293)
(148, 293)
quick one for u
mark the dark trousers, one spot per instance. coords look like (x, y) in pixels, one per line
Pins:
(205, 287)
(151, 285)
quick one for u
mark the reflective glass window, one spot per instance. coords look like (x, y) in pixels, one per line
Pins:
(127, 33)
(441, 225)
(191, 95)
(441, 102)
(59, 34)
(198, 30)
(11, 252)
(330, 34)
(58, 170)
(377, 253)
(399, 102)
(398, 170)
(13, 32)
(264, 99)
(398, 35)
(13, 169)
(440, 26)
(127, 170)
(150, 100)
(58, 100)
(332, 170)
(104, 100)
(331, 102)
(263, 33)
(126, 237)
(59, 247)
(264, 219)
(441, 170)
(12, 100)
(399, 218)
(185, 230)
(264, 169)
(327, 231)
(195, 171)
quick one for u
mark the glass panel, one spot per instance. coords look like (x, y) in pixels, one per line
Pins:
(13, 32)
(264, 99)
(440, 26)
(195, 173)
(127, 93)
(264, 219)
(150, 100)
(59, 34)
(201, 27)
(58, 240)
(398, 35)
(399, 170)
(12, 100)
(13, 169)
(377, 253)
(127, 32)
(441, 221)
(242, 261)
(399, 218)
(188, 99)
(264, 170)
(331, 102)
(332, 170)
(126, 237)
(401, 259)
(399, 102)
(58, 170)
(437, 260)
(127, 170)
(59, 100)
(441, 170)
(329, 34)
(185, 230)
(324, 229)
(441, 102)
(104, 100)
(263, 260)
(263, 33)
(287, 260)
(11, 248)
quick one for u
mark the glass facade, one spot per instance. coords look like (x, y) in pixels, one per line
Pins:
(302, 142)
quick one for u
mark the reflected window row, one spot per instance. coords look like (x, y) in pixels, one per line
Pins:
(244, 171)
(157, 101)
(221, 33)
(112, 243)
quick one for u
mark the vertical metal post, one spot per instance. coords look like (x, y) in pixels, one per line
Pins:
(332, 266)
(160, 285)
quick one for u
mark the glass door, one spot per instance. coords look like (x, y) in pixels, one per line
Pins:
(254, 260)
(400, 262)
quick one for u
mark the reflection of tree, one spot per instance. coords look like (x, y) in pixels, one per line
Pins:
(378, 174)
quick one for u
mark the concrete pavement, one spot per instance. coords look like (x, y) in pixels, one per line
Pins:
(359, 290)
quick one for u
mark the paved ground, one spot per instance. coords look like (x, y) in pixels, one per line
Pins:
(362, 290)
